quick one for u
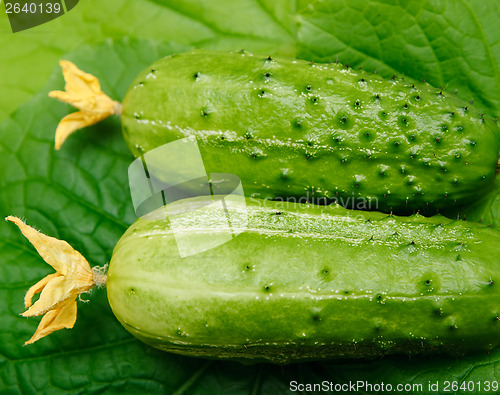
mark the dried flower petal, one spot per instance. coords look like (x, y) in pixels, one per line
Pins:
(53, 320)
(37, 288)
(83, 91)
(58, 290)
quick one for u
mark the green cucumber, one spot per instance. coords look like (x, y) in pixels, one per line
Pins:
(306, 282)
(294, 129)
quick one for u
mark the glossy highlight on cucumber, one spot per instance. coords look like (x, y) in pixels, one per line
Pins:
(305, 282)
(296, 129)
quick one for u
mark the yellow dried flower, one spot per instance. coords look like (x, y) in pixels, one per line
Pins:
(59, 290)
(83, 91)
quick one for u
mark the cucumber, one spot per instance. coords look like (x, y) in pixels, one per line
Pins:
(294, 129)
(302, 282)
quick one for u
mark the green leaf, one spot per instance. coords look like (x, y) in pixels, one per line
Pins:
(80, 194)
(28, 57)
(450, 44)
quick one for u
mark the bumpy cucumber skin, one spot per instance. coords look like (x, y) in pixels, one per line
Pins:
(289, 128)
(305, 282)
